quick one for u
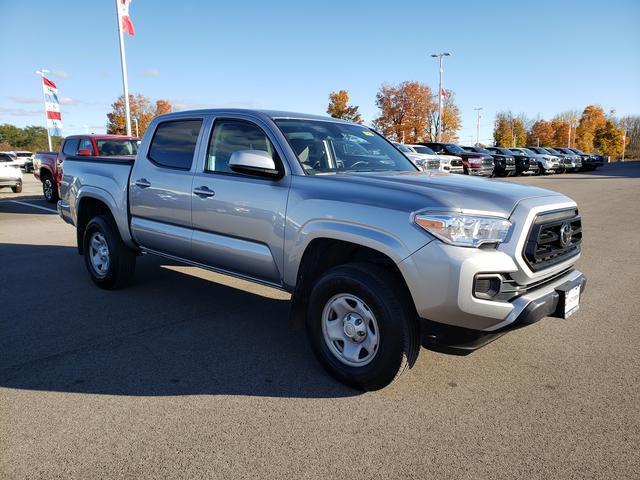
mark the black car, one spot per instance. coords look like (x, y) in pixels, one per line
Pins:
(590, 161)
(504, 164)
(524, 165)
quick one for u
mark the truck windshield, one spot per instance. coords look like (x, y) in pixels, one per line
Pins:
(453, 148)
(423, 149)
(332, 147)
(114, 147)
(403, 148)
(479, 150)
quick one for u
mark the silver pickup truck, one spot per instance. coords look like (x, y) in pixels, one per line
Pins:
(379, 257)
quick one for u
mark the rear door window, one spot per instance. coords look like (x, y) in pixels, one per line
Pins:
(86, 145)
(174, 143)
(70, 146)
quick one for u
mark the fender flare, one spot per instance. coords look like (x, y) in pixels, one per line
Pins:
(104, 196)
(380, 240)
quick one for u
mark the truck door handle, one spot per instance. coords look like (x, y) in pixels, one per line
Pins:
(142, 183)
(204, 192)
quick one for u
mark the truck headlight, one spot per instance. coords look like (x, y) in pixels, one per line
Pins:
(464, 230)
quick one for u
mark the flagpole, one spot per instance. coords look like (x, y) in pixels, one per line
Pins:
(41, 72)
(123, 63)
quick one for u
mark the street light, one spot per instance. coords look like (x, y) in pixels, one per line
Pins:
(439, 129)
(478, 125)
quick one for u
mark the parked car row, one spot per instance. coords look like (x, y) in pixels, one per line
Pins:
(498, 161)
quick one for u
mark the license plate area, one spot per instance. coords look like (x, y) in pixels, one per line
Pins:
(569, 299)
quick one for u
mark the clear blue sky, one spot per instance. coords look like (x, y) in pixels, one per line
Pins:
(539, 57)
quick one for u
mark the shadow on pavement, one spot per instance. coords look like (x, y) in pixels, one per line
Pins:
(169, 333)
(9, 205)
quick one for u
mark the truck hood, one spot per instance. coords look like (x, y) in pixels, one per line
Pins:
(420, 190)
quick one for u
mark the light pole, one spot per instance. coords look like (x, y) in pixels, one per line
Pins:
(624, 143)
(42, 73)
(439, 129)
(478, 125)
(135, 119)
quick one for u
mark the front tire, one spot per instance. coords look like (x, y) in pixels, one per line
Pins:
(109, 261)
(362, 325)
(17, 188)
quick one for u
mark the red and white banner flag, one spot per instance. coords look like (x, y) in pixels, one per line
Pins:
(443, 92)
(52, 107)
(125, 20)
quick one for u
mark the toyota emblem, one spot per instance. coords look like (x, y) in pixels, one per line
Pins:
(565, 234)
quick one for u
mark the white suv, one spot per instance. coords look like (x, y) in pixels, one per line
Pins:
(10, 173)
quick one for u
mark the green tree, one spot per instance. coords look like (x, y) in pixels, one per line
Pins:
(339, 107)
(32, 138)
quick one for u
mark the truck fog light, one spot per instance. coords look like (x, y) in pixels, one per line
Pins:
(487, 286)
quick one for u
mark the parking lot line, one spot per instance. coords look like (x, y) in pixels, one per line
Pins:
(34, 206)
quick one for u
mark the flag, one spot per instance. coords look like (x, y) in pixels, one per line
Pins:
(52, 107)
(125, 20)
(443, 92)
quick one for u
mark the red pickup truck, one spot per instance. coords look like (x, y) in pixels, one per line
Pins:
(47, 166)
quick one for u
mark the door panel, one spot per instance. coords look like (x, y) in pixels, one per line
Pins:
(240, 228)
(160, 188)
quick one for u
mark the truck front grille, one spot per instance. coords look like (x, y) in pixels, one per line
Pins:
(554, 237)
(456, 163)
(433, 164)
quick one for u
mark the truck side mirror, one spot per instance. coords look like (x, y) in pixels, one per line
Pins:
(85, 152)
(254, 162)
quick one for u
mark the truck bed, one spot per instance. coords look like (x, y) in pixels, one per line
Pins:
(106, 179)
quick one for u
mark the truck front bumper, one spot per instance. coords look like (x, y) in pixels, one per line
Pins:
(441, 279)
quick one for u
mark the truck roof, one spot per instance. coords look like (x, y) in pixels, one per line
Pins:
(270, 114)
(103, 137)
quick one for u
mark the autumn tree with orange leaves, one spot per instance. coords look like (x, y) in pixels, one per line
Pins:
(404, 111)
(339, 107)
(541, 133)
(141, 108)
(451, 120)
(593, 118)
(163, 106)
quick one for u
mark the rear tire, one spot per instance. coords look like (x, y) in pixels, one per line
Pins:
(362, 325)
(109, 261)
(49, 189)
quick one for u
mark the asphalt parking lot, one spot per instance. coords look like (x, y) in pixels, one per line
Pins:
(190, 374)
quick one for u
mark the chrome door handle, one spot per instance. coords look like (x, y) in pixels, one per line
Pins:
(142, 183)
(204, 192)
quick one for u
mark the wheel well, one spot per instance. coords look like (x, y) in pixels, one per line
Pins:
(44, 172)
(87, 209)
(321, 255)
